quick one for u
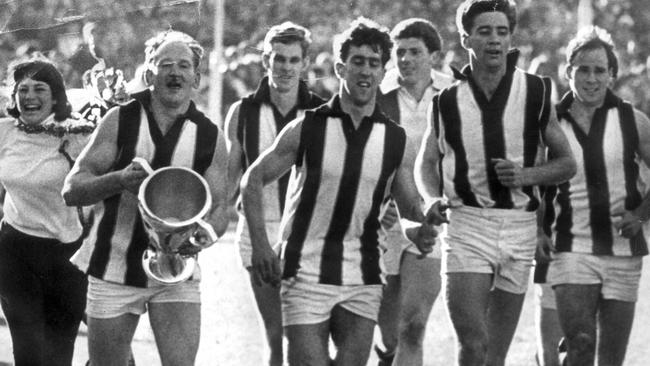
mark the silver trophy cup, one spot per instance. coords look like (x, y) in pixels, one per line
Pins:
(173, 202)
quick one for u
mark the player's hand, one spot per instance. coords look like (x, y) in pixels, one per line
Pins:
(189, 250)
(437, 214)
(266, 266)
(629, 224)
(390, 216)
(424, 237)
(196, 243)
(508, 173)
(132, 176)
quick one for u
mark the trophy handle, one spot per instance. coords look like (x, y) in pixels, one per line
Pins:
(208, 230)
(144, 164)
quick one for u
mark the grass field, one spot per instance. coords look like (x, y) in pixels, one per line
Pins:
(231, 335)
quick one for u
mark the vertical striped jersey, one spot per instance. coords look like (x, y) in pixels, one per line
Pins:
(472, 130)
(340, 178)
(581, 212)
(114, 247)
(259, 124)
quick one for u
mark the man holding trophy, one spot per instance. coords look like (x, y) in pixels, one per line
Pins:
(163, 128)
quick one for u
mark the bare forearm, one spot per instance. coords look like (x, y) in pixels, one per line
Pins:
(643, 211)
(252, 202)
(553, 172)
(428, 186)
(219, 219)
(86, 189)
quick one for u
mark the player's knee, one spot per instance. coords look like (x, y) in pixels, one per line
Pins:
(274, 334)
(472, 342)
(306, 359)
(582, 347)
(412, 331)
(474, 348)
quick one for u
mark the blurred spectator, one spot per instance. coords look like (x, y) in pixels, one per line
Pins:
(541, 65)
(107, 88)
(138, 83)
(634, 87)
(321, 78)
(87, 55)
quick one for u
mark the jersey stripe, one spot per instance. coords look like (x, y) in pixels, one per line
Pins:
(474, 130)
(331, 223)
(393, 150)
(332, 260)
(453, 135)
(313, 130)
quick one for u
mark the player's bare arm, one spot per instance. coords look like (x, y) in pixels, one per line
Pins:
(235, 168)
(417, 227)
(217, 177)
(269, 166)
(557, 170)
(632, 221)
(426, 174)
(89, 180)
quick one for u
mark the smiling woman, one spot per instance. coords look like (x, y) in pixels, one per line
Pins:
(42, 294)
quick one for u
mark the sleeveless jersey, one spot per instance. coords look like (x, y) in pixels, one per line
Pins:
(341, 176)
(258, 125)
(113, 250)
(472, 131)
(581, 212)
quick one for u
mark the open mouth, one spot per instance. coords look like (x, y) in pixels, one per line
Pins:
(363, 84)
(174, 85)
(591, 90)
(31, 107)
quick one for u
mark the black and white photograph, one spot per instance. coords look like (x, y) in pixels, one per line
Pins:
(337, 183)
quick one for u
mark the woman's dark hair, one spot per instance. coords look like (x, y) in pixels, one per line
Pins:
(44, 71)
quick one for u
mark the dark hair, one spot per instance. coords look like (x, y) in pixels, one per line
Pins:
(593, 38)
(418, 28)
(363, 31)
(470, 9)
(44, 71)
(287, 33)
(154, 43)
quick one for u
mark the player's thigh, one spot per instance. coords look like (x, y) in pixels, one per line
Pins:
(177, 330)
(420, 284)
(576, 307)
(615, 320)
(307, 344)
(354, 334)
(109, 340)
(467, 297)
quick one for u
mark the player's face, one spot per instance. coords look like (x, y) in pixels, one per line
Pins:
(174, 76)
(284, 64)
(413, 59)
(489, 39)
(34, 101)
(361, 74)
(589, 76)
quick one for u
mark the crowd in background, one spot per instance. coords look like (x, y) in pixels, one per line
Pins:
(242, 69)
